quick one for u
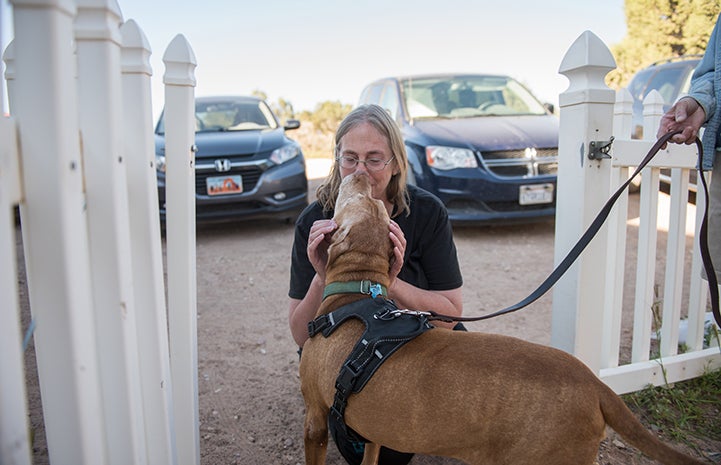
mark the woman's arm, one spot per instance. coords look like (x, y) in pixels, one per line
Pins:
(448, 302)
(407, 296)
(301, 311)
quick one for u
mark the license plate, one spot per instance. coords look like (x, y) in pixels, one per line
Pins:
(220, 185)
(534, 194)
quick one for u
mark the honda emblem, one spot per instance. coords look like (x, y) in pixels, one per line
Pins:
(222, 165)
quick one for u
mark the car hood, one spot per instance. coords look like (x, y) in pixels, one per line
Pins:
(213, 144)
(491, 133)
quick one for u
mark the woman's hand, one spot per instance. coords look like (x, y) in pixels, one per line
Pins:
(686, 115)
(398, 239)
(318, 242)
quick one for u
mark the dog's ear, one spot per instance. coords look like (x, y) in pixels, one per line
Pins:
(340, 234)
(338, 242)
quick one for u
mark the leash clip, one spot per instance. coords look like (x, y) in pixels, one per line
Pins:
(387, 314)
(598, 149)
(370, 288)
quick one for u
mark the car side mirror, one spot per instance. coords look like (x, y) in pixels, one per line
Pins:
(549, 107)
(291, 124)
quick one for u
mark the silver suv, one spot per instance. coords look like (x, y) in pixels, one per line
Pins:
(670, 77)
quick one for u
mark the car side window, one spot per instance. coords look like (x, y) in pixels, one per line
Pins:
(390, 100)
(667, 83)
(638, 84)
(372, 94)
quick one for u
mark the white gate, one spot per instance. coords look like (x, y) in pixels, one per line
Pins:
(588, 302)
(77, 157)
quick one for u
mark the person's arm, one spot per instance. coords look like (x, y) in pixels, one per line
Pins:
(448, 302)
(702, 80)
(407, 296)
(691, 111)
(301, 311)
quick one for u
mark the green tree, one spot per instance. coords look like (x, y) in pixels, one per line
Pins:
(327, 115)
(260, 94)
(660, 29)
(284, 109)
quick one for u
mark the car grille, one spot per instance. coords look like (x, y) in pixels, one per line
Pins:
(249, 174)
(521, 163)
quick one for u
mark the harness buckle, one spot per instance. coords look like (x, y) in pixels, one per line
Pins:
(346, 379)
(319, 324)
(386, 314)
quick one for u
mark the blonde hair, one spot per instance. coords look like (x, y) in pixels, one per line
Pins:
(396, 191)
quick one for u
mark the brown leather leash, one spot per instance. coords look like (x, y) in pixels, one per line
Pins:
(591, 232)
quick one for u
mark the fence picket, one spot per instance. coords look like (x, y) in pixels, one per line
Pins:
(14, 443)
(179, 80)
(146, 253)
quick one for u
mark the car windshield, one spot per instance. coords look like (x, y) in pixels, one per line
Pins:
(221, 116)
(468, 96)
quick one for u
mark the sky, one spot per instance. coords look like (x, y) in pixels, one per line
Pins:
(311, 51)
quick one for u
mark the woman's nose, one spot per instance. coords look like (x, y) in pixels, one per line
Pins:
(361, 167)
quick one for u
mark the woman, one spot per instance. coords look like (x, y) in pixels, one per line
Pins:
(424, 273)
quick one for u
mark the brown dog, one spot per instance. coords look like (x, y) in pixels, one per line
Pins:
(480, 398)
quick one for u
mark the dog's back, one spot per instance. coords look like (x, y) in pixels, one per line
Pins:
(486, 398)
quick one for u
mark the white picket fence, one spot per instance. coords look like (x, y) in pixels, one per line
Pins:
(77, 156)
(587, 302)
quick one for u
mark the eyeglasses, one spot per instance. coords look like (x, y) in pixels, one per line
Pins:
(372, 164)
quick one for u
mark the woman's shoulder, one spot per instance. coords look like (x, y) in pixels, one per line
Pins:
(314, 211)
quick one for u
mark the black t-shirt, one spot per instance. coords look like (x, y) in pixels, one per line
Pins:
(430, 260)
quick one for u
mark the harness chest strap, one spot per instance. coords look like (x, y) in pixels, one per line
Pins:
(387, 330)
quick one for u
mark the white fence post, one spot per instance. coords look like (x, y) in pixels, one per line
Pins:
(586, 110)
(99, 96)
(179, 79)
(147, 254)
(55, 231)
(14, 444)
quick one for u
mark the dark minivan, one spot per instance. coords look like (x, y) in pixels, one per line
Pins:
(481, 143)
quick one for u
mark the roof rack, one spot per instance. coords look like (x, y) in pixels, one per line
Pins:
(675, 59)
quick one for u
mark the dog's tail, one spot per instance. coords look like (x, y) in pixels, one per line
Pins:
(619, 417)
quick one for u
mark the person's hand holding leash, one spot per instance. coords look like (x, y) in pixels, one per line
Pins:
(685, 115)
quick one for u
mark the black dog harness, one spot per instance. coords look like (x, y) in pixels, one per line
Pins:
(387, 330)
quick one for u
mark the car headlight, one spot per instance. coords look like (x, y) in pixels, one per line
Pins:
(285, 153)
(160, 162)
(448, 158)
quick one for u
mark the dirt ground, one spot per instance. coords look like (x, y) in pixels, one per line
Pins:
(251, 410)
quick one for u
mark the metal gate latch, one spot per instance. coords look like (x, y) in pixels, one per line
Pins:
(598, 149)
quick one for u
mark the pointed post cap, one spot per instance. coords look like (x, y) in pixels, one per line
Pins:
(98, 20)
(135, 54)
(179, 62)
(65, 6)
(9, 59)
(586, 64)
